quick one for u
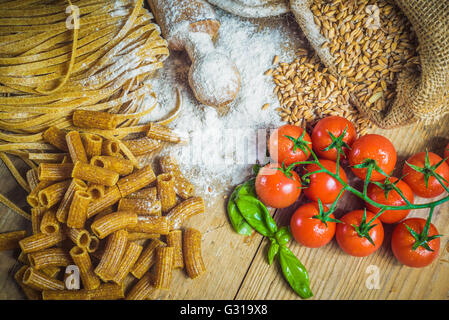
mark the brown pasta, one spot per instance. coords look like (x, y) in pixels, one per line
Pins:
(80, 237)
(30, 293)
(76, 147)
(32, 177)
(174, 239)
(151, 224)
(41, 241)
(81, 258)
(115, 248)
(33, 196)
(183, 187)
(10, 240)
(140, 206)
(92, 144)
(184, 211)
(52, 194)
(64, 206)
(163, 268)
(53, 257)
(40, 281)
(136, 180)
(149, 194)
(96, 191)
(78, 209)
(134, 236)
(94, 174)
(163, 133)
(142, 146)
(142, 289)
(166, 191)
(192, 253)
(49, 224)
(56, 137)
(130, 257)
(111, 196)
(110, 148)
(36, 217)
(106, 291)
(119, 165)
(112, 222)
(146, 259)
(94, 119)
(93, 245)
(55, 171)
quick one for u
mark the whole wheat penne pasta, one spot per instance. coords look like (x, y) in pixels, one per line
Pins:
(112, 222)
(40, 281)
(147, 258)
(52, 272)
(78, 209)
(92, 144)
(110, 148)
(23, 258)
(141, 206)
(174, 239)
(166, 191)
(64, 206)
(151, 224)
(65, 295)
(183, 187)
(163, 133)
(136, 181)
(32, 177)
(76, 147)
(107, 291)
(119, 165)
(80, 237)
(41, 241)
(56, 137)
(149, 194)
(94, 174)
(112, 196)
(52, 257)
(163, 268)
(184, 211)
(142, 289)
(141, 146)
(192, 253)
(94, 244)
(30, 293)
(96, 191)
(10, 240)
(52, 194)
(110, 260)
(94, 119)
(36, 217)
(130, 257)
(81, 258)
(54, 171)
(134, 236)
(32, 198)
(49, 223)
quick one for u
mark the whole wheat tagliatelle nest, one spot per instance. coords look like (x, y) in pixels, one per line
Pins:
(49, 68)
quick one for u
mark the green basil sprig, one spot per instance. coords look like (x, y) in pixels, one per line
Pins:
(294, 272)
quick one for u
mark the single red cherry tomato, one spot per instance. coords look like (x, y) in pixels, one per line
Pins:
(416, 180)
(388, 196)
(308, 231)
(322, 185)
(276, 188)
(321, 139)
(349, 239)
(402, 242)
(374, 147)
(287, 144)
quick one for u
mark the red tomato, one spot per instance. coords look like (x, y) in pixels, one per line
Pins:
(446, 153)
(349, 240)
(281, 147)
(416, 180)
(375, 147)
(402, 243)
(321, 138)
(275, 189)
(308, 231)
(322, 185)
(377, 194)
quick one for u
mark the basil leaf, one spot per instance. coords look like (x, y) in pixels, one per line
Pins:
(294, 272)
(237, 221)
(255, 213)
(283, 236)
(272, 251)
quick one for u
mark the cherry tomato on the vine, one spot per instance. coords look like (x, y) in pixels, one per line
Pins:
(402, 242)
(287, 144)
(321, 136)
(322, 185)
(276, 188)
(374, 147)
(386, 195)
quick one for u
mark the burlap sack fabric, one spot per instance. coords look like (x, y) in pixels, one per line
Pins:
(424, 96)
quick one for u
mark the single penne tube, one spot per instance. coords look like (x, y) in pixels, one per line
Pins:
(192, 253)
(32, 177)
(54, 171)
(174, 239)
(120, 165)
(146, 259)
(142, 289)
(142, 146)
(81, 258)
(10, 240)
(151, 224)
(23, 258)
(183, 186)
(136, 181)
(78, 209)
(94, 244)
(166, 191)
(184, 211)
(80, 237)
(134, 236)
(163, 267)
(92, 144)
(64, 206)
(141, 206)
(52, 257)
(49, 224)
(94, 174)
(130, 257)
(53, 194)
(41, 241)
(40, 281)
(113, 253)
(56, 137)
(112, 196)
(76, 147)
(30, 293)
(33, 196)
(52, 272)
(110, 148)
(94, 119)
(112, 222)
(107, 291)
(36, 218)
(149, 194)
(163, 133)
(96, 191)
